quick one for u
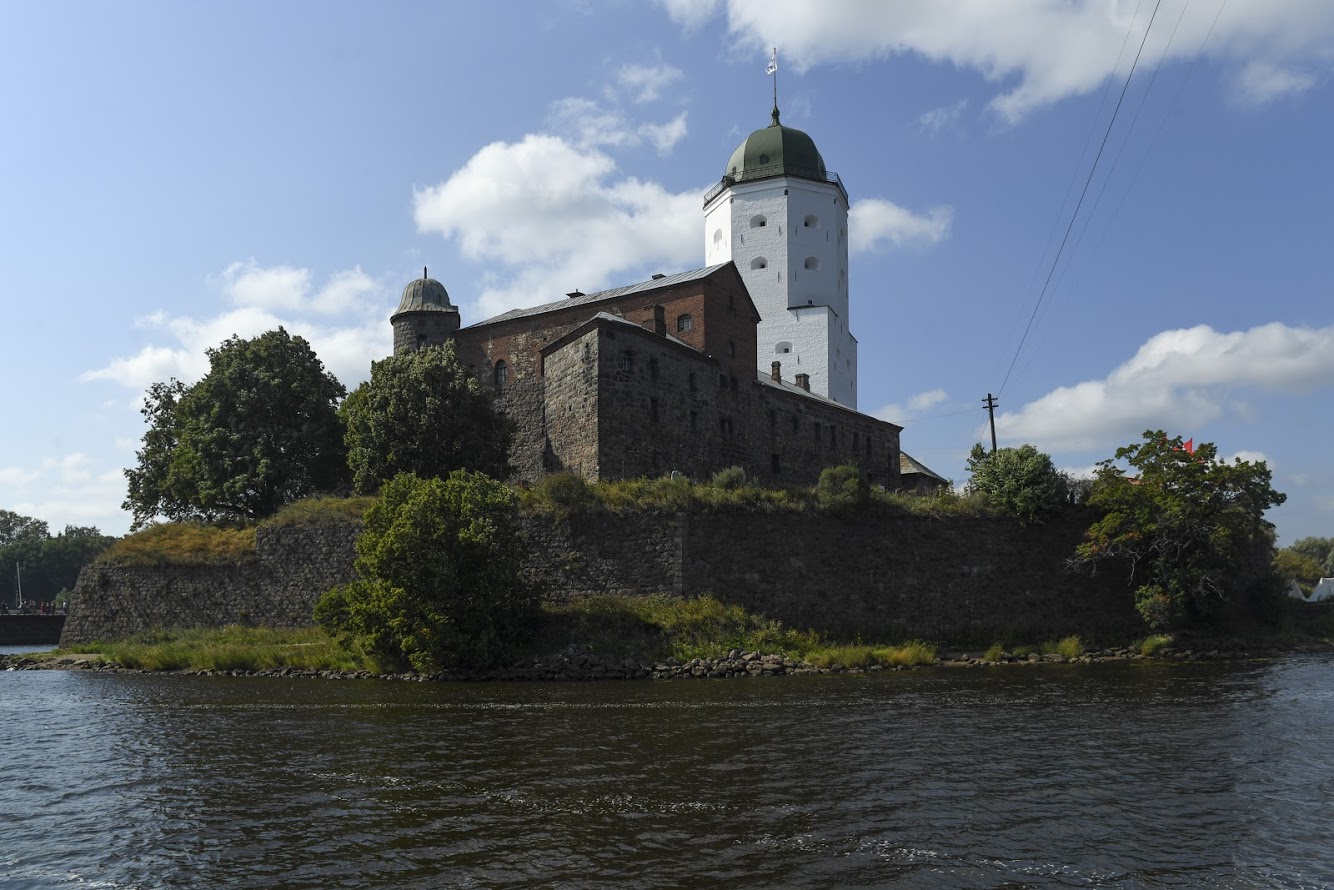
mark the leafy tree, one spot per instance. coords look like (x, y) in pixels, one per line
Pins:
(421, 412)
(440, 584)
(1190, 526)
(1320, 550)
(261, 429)
(842, 489)
(66, 553)
(1021, 481)
(1290, 565)
(21, 539)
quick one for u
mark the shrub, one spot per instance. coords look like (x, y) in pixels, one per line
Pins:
(1153, 644)
(1019, 481)
(994, 653)
(562, 494)
(321, 511)
(440, 584)
(842, 489)
(729, 479)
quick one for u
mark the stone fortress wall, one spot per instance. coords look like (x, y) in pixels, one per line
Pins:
(946, 579)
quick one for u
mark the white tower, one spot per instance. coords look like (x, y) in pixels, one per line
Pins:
(783, 219)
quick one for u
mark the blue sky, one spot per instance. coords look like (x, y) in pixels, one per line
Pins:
(172, 174)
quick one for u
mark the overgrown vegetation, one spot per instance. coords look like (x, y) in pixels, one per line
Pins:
(1190, 526)
(182, 543)
(1021, 482)
(228, 649)
(439, 582)
(321, 511)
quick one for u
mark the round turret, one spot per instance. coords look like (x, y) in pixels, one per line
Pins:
(776, 150)
(425, 317)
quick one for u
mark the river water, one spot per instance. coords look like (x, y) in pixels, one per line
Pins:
(1128, 775)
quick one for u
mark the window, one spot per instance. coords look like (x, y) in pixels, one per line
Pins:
(627, 363)
(812, 263)
(653, 369)
(833, 435)
(758, 222)
(694, 421)
(684, 323)
(731, 347)
(717, 237)
(421, 341)
(653, 410)
(796, 423)
(815, 432)
(868, 446)
(725, 425)
(773, 419)
(811, 222)
(759, 263)
(733, 384)
(502, 374)
(783, 348)
(691, 380)
(774, 466)
(722, 381)
(856, 444)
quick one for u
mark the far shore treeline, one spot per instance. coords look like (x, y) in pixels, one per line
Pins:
(424, 446)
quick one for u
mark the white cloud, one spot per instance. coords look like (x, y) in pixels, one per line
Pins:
(559, 217)
(587, 124)
(1038, 52)
(1260, 83)
(873, 222)
(922, 401)
(1177, 381)
(943, 118)
(1251, 457)
(665, 136)
(16, 477)
(690, 13)
(646, 82)
(345, 322)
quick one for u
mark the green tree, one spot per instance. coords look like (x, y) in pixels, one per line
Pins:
(21, 539)
(1020, 481)
(1191, 527)
(440, 583)
(65, 554)
(260, 430)
(1290, 565)
(1319, 550)
(421, 412)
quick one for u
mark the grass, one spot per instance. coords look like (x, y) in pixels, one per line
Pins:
(914, 652)
(182, 543)
(1153, 644)
(321, 511)
(229, 648)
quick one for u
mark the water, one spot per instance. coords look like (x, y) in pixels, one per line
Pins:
(1207, 775)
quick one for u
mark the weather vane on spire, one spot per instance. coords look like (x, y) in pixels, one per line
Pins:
(772, 71)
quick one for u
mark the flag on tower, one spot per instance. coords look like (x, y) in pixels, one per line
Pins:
(773, 63)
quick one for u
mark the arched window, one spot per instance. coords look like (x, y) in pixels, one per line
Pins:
(684, 323)
(783, 348)
(812, 263)
(759, 263)
(731, 347)
(502, 374)
(759, 221)
(717, 237)
(811, 222)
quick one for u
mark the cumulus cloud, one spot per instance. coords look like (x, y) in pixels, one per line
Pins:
(560, 217)
(916, 405)
(344, 322)
(1260, 83)
(1038, 53)
(645, 83)
(587, 124)
(17, 477)
(875, 222)
(1177, 380)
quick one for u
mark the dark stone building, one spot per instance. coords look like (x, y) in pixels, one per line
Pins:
(648, 379)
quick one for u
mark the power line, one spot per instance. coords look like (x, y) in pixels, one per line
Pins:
(1075, 215)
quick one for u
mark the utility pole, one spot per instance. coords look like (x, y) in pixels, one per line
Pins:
(990, 402)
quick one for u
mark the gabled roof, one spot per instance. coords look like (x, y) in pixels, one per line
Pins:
(908, 464)
(791, 388)
(606, 319)
(587, 299)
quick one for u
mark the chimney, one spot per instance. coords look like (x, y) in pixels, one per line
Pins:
(657, 275)
(575, 293)
(660, 321)
(776, 372)
(804, 381)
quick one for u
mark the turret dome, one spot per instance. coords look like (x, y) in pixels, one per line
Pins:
(425, 295)
(776, 150)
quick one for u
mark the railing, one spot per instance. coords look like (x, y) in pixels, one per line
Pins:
(772, 170)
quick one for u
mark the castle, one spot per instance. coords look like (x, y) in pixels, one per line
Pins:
(749, 361)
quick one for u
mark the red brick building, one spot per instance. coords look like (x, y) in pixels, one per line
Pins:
(648, 379)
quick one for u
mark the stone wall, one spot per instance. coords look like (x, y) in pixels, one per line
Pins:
(955, 579)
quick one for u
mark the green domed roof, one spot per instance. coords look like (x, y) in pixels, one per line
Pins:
(425, 295)
(776, 150)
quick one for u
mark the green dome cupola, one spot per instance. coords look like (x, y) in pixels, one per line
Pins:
(776, 150)
(425, 317)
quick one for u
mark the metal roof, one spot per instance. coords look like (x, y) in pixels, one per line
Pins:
(587, 299)
(909, 464)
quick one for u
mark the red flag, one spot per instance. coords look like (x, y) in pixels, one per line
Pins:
(1189, 445)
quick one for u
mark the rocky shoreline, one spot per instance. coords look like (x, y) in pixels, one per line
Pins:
(575, 665)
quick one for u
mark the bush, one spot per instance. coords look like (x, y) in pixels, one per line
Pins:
(440, 585)
(182, 543)
(729, 479)
(842, 489)
(562, 494)
(1019, 481)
